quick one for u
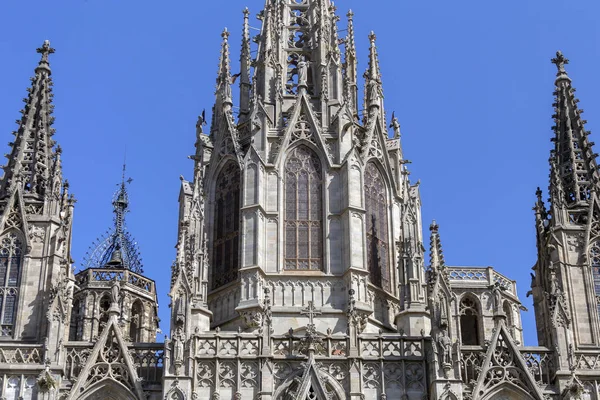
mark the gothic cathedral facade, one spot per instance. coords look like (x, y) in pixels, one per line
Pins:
(300, 270)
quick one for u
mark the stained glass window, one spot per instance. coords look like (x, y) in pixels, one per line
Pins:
(377, 227)
(469, 321)
(227, 226)
(10, 268)
(303, 210)
(595, 263)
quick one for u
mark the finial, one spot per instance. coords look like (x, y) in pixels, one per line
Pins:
(246, 12)
(372, 38)
(434, 226)
(538, 194)
(560, 60)
(225, 34)
(45, 51)
(350, 15)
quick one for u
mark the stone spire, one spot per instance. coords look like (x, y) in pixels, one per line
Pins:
(245, 63)
(117, 248)
(224, 74)
(31, 158)
(373, 90)
(351, 65)
(436, 254)
(573, 163)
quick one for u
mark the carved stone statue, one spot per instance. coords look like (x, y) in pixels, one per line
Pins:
(445, 344)
(115, 291)
(302, 72)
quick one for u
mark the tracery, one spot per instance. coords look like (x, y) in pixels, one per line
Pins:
(303, 210)
(377, 227)
(10, 268)
(227, 226)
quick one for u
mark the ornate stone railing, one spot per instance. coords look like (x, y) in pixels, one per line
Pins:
(471, 360)
(486, 275)
(149, 361)
(13, 353)
(540, 362)
(103, 277)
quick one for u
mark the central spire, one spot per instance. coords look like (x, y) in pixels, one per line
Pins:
(117, 248)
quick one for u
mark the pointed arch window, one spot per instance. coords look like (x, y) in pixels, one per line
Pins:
(10, 270)
(135, 322)
(104, 306)
(595, 264)
(303, 210)
(376, 208)
(469, 322)
(76, 328)
(227, 226)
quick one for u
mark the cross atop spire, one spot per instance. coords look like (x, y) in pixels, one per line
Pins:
(45, 51)
(560, 61)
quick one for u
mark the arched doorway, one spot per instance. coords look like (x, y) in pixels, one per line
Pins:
(507, 392)
(107, 389)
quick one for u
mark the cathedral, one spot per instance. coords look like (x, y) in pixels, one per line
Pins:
(300, 270)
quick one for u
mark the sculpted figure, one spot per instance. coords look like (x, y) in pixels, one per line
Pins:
(302, 72)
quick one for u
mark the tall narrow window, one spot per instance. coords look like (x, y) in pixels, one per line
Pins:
(227, 226)
(595, 263)
(76, 329)
(469, 322)
(10, 269)
(104, 306)
(135, 323)
(377, 227)
(303, 210)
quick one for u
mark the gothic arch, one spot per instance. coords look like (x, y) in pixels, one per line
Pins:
(285, 389)
(303, 209)
(594, 259)
(136, 321)
(225, 253)
(377, 226)
(470, 319)
(11, 271)
(507, 391)
(107, 389)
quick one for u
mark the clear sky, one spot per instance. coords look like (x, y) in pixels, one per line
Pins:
(470, 81)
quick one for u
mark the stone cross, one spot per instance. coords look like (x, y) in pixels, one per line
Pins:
(311, 311)
(45, 51)
(560, 60)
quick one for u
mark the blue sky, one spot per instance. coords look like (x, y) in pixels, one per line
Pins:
(470, 82)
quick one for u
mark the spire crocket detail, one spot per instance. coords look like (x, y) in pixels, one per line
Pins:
(572, 159)
(31, 158)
